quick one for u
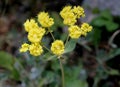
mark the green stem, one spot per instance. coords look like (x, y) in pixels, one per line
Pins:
(51, 34)
(67, 40)
(62, 72)
(46, 48)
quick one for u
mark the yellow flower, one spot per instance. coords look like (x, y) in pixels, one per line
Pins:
(78, 11)
(68, 16)
(85, 27)
(45, 20)
(70, 19)
(36, 35)
(66, 9)
(24, 47)
(74, 31)
(35, 49)
(57, 47)
(30, 25)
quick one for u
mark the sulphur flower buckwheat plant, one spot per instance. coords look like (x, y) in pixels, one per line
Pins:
(37, 29)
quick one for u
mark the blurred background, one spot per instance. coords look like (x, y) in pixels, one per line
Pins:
(95, 61)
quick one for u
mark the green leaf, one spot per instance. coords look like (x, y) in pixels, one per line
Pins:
(106, 15)
(15, 74)
(49, 76)
(113, 72)
(70, 45)
(76, 83)
(96, 36)
(55, 65)
(111, 26)
(63, 36)
(48, 56)
(6, 60)
(112, 54)
(72, 78)
(99, 22)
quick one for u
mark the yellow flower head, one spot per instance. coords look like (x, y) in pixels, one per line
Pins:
(57, 47)
(45, 20)
(78, 11)
(24, 47)
(70, 19)
(85, 27)
(67, 9)
(68, 16)
(36, 35)
(74, 31)
(30, 25)
(35, 49)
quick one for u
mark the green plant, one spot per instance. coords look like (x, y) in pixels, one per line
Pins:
(58, 47)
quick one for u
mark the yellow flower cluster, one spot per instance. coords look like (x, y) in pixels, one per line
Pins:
(36, 33)
(85, 27)
(70, 14)
(74, 31)
(30, 25)
(45, 20)
(35, 49)
(57, 47)
(24, 47)
(78, 11)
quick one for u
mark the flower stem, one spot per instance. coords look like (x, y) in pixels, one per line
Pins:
(46, 48)
(67, 40)
(51, 34)
(62, 72)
